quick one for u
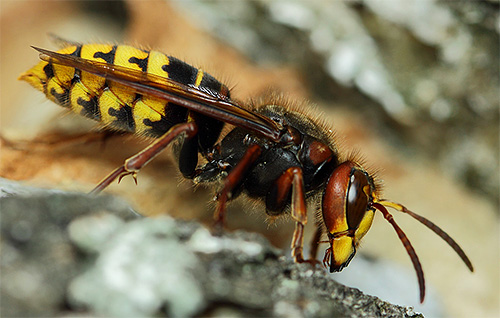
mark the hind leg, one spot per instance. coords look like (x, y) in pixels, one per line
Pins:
(133, 164)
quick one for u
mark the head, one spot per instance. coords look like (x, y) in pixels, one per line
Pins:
(347, 212)
(349, 202)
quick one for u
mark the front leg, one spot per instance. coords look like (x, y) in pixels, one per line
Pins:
(299, 213)
(291, 180)
(233, 179)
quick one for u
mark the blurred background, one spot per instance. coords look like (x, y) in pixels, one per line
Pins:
(412, 85)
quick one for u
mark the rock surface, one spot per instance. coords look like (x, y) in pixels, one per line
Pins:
(66, 253)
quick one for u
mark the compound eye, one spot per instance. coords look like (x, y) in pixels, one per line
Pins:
(357, 198)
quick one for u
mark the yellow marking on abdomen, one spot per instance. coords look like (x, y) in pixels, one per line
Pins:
(88, 51)
(125, 52)
(199, 78)
(156, 105)
(123, 93)
(64, 74)
(36, 77)
(143, 110)
(79, 90)
(54, 87)
(115, 97)
(156, 62)
(94, 83)
(108, 100)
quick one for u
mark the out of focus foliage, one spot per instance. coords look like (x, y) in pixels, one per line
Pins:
(424, 71)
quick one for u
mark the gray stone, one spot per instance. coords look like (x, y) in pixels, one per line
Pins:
(68, 253)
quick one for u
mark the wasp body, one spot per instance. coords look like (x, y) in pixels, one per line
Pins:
(275, 153)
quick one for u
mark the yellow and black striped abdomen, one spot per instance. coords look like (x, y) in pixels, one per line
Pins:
(115, 105)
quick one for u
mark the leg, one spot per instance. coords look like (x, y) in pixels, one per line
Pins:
(133, 164)
(297, 243)
(232, 180)
(188, 155)
(299, 213)
(277, 199)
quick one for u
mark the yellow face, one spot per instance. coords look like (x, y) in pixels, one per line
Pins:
(343, 248)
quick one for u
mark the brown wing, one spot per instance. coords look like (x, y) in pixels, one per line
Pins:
(172, 91)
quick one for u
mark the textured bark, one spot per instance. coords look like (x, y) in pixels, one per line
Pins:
(66, 253)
